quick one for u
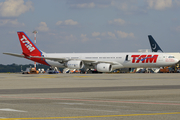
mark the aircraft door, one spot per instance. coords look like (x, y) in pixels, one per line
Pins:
(128, 61)
(127, 58)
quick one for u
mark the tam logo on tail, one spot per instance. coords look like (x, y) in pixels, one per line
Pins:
(27, 44)
(28, 47)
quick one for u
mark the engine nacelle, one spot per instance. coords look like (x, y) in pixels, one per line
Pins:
(75, 64)
(104, 67)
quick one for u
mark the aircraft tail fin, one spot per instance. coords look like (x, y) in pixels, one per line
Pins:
(28, 47)
(154, 46)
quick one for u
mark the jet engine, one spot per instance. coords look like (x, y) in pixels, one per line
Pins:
(104, 67)
(75, 64)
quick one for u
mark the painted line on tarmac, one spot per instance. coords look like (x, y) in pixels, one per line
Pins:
(82, 76)
(46, 76)
(100, 116)
(90, 110)
(90, 100)
(11, 110)
(54, 76)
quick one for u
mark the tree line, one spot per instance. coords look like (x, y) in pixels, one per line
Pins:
(13, 68)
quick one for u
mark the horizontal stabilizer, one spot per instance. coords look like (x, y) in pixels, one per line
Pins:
(14, 54)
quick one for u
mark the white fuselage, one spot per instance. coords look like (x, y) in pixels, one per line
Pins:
(120, 60)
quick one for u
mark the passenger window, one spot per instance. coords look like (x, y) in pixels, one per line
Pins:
(171, 57)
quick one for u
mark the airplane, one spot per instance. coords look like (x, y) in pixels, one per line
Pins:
(102, 62)
(154, 46)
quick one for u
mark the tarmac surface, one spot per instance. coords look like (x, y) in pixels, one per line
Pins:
(90, 96)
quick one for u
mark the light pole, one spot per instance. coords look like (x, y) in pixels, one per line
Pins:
(35, 44)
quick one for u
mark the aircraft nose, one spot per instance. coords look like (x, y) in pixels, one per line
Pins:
(176, 60)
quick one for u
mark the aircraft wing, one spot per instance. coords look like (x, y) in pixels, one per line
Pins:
(50, 58)
(14, 54)
(85, 61)
(96, 62)
(63, 59)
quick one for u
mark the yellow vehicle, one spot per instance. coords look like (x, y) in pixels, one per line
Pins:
(30, 71)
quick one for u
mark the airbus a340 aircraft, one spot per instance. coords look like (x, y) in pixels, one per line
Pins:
(103, 62)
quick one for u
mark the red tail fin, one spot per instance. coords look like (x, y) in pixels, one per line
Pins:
(28, 46)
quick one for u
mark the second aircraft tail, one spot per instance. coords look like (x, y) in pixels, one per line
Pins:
(154, 46)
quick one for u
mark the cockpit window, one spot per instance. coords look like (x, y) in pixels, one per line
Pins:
(171, 57)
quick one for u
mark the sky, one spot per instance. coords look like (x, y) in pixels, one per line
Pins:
(80, 26)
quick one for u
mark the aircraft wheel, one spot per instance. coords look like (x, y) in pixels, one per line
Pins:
(89, 72)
